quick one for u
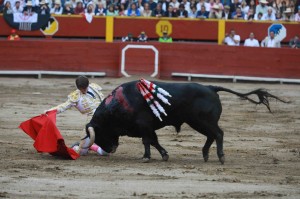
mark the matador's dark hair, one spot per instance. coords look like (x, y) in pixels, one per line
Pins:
(82, 82)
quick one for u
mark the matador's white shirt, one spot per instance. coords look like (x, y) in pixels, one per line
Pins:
(85, 103)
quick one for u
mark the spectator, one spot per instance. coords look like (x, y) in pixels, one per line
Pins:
(292, 6)
(128, 38)
(7, 8)
(153, 5)
(17, 7)
(269, 16)
(238, 14)
(226, 14)
(43, 9)
(170, 12)
(193, 12)
(165, 38)
(158, 12)
(133, 11)
(79, 9)
(234, 5)
(140, 6)
(297, 6)
(288, 15)
(1, 6)
(90, 10)
(297, 15)
(261, 7)
(57, 9)
(174, 4)
(122, 10)
(193, 3)
(181, 12)
(101, 1)
(68, 10)
(111, 11)
(258, 16)
(202, 14)
(272, 4)
(270, 41)
(217, 2)
(13, 36)
(187, 5)
(250, 15)
(142, 37)
(295, 42)
(35, 3)
(282, 7)
(117, 8)
(164, 5)
(252, 5)
(215, 12)
(203, 3)
(28, 9)
(244, 7)
(147, 12)
(278, 16)
(251, 41)
(73, 3)
(85, 2)
(232, 39)
(100, 10)
(127, 3)
(211, 4)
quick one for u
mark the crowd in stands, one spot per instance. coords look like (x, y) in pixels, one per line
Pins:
(270, 10)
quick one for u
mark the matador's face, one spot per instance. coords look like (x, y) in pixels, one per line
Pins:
(83, 90)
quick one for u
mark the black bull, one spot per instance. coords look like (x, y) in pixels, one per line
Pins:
(125, 112)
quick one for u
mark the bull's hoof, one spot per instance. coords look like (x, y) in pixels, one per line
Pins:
(205, 158)
(145, 160)
(222, 159)
(165, 157)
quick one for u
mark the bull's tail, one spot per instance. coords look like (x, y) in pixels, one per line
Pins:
(262, 94)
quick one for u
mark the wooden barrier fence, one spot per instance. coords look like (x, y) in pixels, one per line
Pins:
(181, 57)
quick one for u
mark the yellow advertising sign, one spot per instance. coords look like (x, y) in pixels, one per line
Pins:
(162, 26)
(51, 28)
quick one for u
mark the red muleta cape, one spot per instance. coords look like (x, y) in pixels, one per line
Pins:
(42, 129)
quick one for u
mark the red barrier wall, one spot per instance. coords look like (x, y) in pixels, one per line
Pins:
(91, 56)
(60, 55)
(227, 60)
(182, 29)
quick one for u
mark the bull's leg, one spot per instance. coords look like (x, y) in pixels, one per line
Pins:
(205, 150)
(147, 154)
(219, 141)
(161, 150)
(213, 132)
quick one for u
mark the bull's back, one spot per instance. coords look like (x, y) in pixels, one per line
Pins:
(188, 100)
(192, 100)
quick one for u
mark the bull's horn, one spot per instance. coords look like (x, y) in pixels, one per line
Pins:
(92, 138)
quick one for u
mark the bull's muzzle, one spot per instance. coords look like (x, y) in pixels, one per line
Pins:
(114, 149)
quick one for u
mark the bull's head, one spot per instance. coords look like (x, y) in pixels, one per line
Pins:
(107, 142)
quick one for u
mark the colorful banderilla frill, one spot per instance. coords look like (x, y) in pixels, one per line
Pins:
(146, 88)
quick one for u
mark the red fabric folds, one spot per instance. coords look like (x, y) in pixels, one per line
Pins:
(42, 129)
